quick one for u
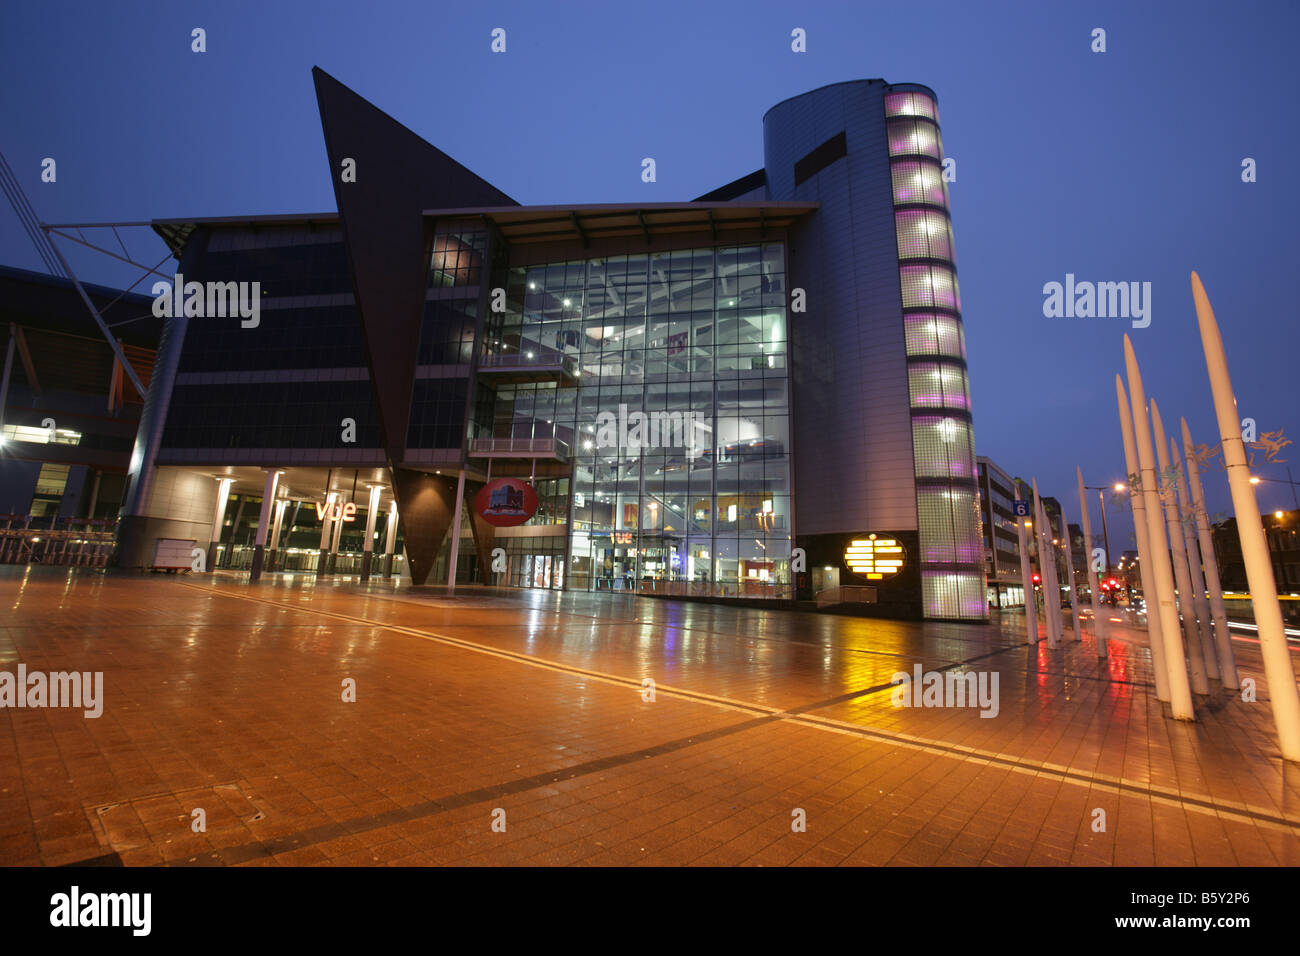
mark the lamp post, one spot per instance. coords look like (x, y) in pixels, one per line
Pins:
(1101, 496)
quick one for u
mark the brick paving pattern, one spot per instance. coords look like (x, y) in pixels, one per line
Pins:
(226, 697)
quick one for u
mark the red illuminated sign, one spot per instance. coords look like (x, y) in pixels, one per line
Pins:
(506, 501)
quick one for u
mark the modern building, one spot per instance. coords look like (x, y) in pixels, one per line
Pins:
(68, 416)
(1282, 531)
(1079, 557)
(760, 393)
(1001, 539)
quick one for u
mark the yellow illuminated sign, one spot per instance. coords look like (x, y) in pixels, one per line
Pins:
(874, 558)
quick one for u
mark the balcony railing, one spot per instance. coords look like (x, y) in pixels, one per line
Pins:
(530, 365)
(551, 448)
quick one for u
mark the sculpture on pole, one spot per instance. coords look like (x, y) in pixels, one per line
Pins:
(1222, 639)
(1278, 670)
(1162, 572)
(1155, 636)
(1178, 556)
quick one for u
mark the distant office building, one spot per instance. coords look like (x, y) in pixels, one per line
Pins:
(692, 389)
(1001, 539)
(1079, 555)
(1282, 530)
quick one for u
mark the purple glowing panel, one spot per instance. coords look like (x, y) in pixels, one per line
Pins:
(918, 181)
(913, 136)
(910, 104)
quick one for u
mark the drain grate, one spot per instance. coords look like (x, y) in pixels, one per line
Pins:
(160, 818)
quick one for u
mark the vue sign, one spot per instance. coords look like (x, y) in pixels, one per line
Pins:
(340, 512)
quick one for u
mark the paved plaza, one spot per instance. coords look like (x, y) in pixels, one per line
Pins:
(519, 728)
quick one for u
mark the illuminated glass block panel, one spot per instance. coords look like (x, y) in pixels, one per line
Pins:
(929, 287)
(968, 525)
(909, 137)
(923, 234)
(942, 447)
(953, 594)
(911, 104)
(874, 558)
(937, 385)
(951, 530)
(918, 180)
(934, 334)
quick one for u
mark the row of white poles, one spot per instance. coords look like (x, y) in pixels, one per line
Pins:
(1187, 624)
(1186, 620)
(1052, 586)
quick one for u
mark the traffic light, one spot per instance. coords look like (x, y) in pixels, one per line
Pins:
(1038, 579)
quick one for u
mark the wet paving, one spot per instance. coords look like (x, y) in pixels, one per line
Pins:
(507, 728)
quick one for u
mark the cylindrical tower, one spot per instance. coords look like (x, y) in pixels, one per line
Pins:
(881, 399)
(943, 443)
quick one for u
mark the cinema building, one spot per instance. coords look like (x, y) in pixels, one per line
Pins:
(679, 396)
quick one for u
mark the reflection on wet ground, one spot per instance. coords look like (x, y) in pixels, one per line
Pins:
(610, 729)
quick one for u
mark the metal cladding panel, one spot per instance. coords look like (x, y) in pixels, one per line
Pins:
(398, 176)
(848, 355)
(426, 504)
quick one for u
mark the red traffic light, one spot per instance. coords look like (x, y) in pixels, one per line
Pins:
(1038, 579)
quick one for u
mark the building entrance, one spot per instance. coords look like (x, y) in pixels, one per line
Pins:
(621, 561)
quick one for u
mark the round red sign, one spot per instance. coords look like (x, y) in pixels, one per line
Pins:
(506, 501)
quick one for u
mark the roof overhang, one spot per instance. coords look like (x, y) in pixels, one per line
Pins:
(177, 232)
(522, 224)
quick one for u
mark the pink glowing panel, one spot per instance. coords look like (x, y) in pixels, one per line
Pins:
(910, 104)
(908, 136)
(918, 181)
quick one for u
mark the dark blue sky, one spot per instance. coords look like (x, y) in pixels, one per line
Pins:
(1122, 166)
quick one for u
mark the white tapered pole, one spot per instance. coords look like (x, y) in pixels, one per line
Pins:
(1027, 577)
(1155, 636)
(1254, 547)
(1162, 572)
(1187, 524)
(1098, 616)
(1178, 556)
(1047, 564)
(1069, 570)
(1222, 638)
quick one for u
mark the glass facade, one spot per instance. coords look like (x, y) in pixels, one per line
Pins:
(678, 426)
(947, 496)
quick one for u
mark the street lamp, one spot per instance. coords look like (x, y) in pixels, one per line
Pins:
(1255, 479)
(1101, 496)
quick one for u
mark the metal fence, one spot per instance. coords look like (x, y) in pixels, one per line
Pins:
(74, 542)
